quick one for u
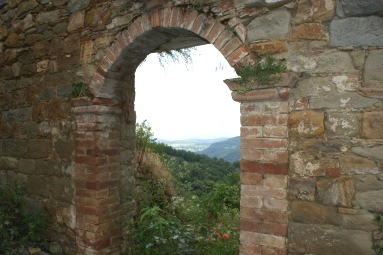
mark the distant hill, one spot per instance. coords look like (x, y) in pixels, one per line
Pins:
(228, 149)
(194, 145)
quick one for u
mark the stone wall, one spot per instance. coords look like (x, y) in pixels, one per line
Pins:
(311, 146)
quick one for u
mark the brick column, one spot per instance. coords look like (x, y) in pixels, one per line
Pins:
(97, 174)
(264, 170)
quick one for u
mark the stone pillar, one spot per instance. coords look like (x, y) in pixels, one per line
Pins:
(97, 175)
(264, 170)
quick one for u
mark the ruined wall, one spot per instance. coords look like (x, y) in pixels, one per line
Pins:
(311, 147)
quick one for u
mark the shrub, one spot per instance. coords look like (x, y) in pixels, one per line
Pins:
(18, 226)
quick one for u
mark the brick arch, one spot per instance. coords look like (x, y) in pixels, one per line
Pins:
(104, 152)
(162, 21)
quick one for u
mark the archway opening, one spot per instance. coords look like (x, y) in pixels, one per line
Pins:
(196, 197)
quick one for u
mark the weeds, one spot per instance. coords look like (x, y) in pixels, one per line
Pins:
(80, 89)
(18, 226)
(264, 72)
(379, 247)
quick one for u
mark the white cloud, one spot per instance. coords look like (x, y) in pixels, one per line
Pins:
(180, 103)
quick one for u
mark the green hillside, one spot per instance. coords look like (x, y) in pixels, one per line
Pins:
(228, 150)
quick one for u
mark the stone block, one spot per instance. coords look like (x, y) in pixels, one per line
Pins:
(307, 164)
(312, 31)
(38, 148)
(8, 163)
(314, 87)
(49, 18)
(76, 21)
(26, 6)
(17, 115)
(370, 152)
(306, 123)
(64, 149)
(329, 240)
(364, 220)
(26, 166)
(356, 31)
(374, 65)
(368, 182)
(372, 125)
(352, 164)
(337, 192)
(310, 212)
(269, 48)
(14, 148)
(302, 188)
(346, 100)
(370, 200)
(77, 5)
(342, 124)
(360, 8)
(274, 25)
(47, 167)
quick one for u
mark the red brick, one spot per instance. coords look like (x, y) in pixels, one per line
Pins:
(215, 32)
(101, 244)
(275, 156)
(273, 251)
(94, 161)
(238, 55)
(155, 18)
(258, 120)
(231, 46)
(98, 185)
(263, 143)
(207, 26)
(182, 17)
(263, 227)
(105, 64)
(251, 131)
(256, 95)
(167, 13)
(198, 23)
(120, 40)
(251, 178)
(274, 131)
(222, 39)
(92, 193)
(264, 215)
(309, 31)
(251, 154)
(189, 21)
(250, 248)
(145, 22)
(262, 168)
(333, 172)
(284, 93)
(176, 12)
(372, 84)
(301, 104)
(138, 24)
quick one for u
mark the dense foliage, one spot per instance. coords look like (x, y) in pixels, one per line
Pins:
(18, 226)
(200, 217)
(379, 247)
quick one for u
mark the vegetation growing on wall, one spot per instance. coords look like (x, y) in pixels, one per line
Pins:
(379, 247)
(178, 215)
(19, 228)
(80, 89)
(264, 72)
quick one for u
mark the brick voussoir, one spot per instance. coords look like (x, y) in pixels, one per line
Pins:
(231, 46)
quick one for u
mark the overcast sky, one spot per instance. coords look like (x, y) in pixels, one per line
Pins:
(182, 102)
